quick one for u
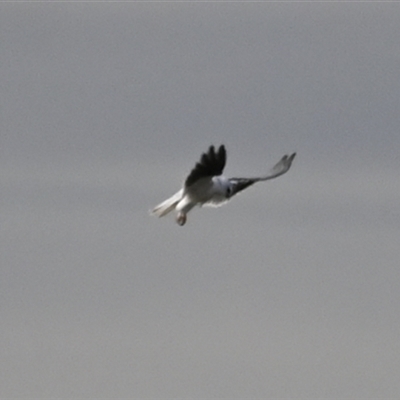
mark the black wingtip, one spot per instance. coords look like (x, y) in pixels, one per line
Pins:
(211, 163)
(222, 152)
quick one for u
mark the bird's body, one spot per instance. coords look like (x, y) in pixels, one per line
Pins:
(205, 184)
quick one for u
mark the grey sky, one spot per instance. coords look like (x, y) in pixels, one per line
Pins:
(290, 291)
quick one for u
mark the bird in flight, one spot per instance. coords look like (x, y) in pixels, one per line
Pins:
(205, 185)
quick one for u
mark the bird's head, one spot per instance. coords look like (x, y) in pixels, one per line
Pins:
(226, 187)
(228, 190)
(223, 188)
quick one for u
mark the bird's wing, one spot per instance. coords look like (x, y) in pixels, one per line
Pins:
(279, 169)
(211, 164)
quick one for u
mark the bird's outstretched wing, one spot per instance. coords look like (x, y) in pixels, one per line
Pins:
(211, 164)
(283, 166)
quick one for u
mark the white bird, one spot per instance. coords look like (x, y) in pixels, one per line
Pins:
(205, 184)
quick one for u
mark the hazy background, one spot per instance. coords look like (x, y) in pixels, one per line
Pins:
(291, 290)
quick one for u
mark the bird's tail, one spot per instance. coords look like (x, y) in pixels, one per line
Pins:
(167, 205)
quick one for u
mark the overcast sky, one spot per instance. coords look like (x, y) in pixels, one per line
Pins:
(291, 290)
